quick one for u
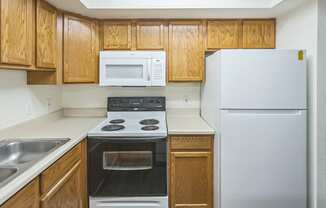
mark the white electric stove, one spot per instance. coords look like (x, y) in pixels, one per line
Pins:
(127, 155)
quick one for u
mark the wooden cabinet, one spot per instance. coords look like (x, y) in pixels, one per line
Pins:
(46, 35)
(224, 34)
(186, 51)
(37, 77)
(17, 33)
(259, 34)
(28, 197)
(191, 171)
(117, 35)
(64, 183)
(150, 35)
(80, 50)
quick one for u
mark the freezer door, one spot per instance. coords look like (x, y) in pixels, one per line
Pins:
(263, 79)
(263, 159)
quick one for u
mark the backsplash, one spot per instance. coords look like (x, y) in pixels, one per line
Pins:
(20, 102)
(178, 95)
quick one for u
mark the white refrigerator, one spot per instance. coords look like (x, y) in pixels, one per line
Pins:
(257, 102)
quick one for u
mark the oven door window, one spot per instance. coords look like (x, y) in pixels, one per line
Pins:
(127, 160)
(127, 168)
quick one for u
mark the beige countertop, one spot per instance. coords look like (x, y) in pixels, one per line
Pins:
(188, 121)
(74, 124)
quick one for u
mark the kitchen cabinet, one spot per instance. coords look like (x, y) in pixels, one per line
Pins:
(259, 33)
(150, 35)
(191, 171)
(186, 51)
(28, 197)
(63, 184)
(81, 49)
(17, 32)
(117, 35)
(53, 77)
(223, 34)
(46, 35)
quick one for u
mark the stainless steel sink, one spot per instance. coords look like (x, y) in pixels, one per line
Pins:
(6, 173)
(17, 155)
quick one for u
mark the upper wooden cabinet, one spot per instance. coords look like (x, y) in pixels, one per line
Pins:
(224, 34)
(186, 51)
(81, 48)
(117, 35)
(46, 35)
(17, 32)
(259, 34)
(150, 35)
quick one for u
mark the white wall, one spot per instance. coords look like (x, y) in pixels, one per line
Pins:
(298, 29)
(179, 95)
(321, 104)
(20, 102)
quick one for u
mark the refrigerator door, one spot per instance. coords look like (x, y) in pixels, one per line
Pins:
(263, 159)
(263, 79)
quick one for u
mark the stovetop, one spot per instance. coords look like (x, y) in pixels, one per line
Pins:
(132, 124)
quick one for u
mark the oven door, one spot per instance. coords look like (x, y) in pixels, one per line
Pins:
(125, 167)
(125, 71)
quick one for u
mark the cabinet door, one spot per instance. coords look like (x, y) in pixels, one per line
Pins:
(117, 35)
(46, 35)
(68, 192)
(186, 54)
(17, 32)
(191, 179)
(28, 197)
(259, 34)
(80, 50)
(223, 34)
(150, 35)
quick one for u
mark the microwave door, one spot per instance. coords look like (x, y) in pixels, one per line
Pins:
(125, 72)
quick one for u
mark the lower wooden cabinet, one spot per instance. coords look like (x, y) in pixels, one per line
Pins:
(28, 197)
(67, 192)
(62, 185)
(191, 172)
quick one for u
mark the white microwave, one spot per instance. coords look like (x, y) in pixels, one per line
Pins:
(132, 68)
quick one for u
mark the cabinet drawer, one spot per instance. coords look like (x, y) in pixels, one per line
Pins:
(191, 142)
(60, 168)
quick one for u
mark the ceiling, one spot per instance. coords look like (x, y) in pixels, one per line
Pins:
(168, 9)
(179, 4)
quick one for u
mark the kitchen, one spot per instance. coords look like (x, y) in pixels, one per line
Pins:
(121, 102)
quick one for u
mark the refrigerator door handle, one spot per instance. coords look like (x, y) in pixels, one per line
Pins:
(265, 112)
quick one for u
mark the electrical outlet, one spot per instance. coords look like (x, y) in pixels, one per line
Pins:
(186, 99)
(49, 102)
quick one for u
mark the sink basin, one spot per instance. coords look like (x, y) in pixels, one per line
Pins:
(6, 173)
(16, 156)
(17, 152)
